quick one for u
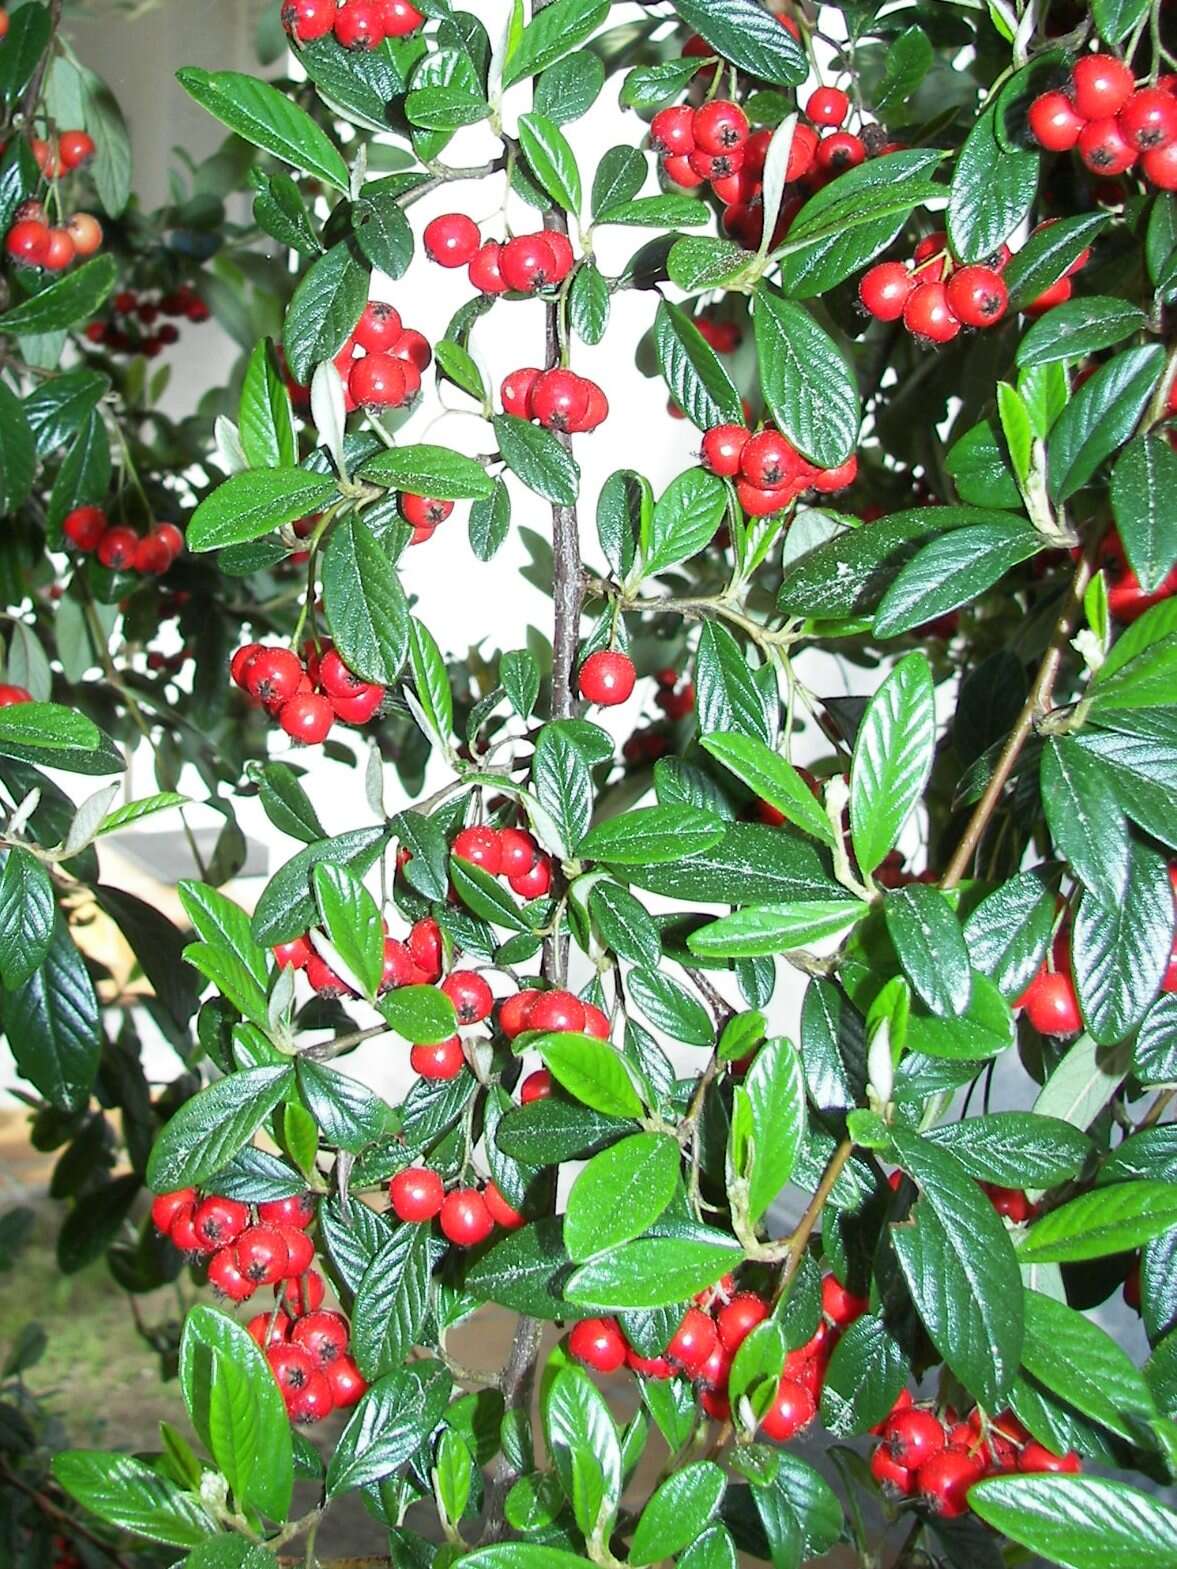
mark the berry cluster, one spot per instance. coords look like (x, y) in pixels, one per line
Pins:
(118, 546)
(507, 852)
(63, 153)
(548, 1013)
(1110, 122)
(704, 1344)
(675, 695)
(920, 1455)
(305, 698)
(934, 297)
(526, 264)
(768, 470)
(33, 242)
(357, 24)
(557, 399)
(387, 373)
(308, 1357)
(414, 962)
(606, 678)
(467, 1216)
(128, 329)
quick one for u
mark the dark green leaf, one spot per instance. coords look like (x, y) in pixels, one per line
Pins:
(366, 605)
(810, 389)
(892, 759)
(748, 36)
(993, 189)
(697, 380)
(52, 1024)
(430, 471)
(536, 457)
(126, 1493)
(952, 571)
(1080, 1522)
(1144, 500)
(1100, 417)
(66, 303)
(1106, 1220)
(253, 503)
(268, 119)
(389, 1425)
(209, 1129)
(930, 947)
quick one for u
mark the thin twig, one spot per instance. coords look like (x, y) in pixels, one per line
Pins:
(55, 1512)
(1036, 706)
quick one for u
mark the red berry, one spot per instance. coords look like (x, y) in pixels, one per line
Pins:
(502, 1213)
(890, 1476)
(359, 709)
(378, 381)
(303, 1295)
(561, 248)
(307, 718)
(1049, 298)
(1160, 166)
(598, 1343)
(360, 25)
(485, 270)
(75, 148)
(514, 1013)
(452, 240)
(720, 126)
(335, 678)
(60, 252)
(842, 1307)
(535, 883)
(400, 18)
(1036, 1457)
(348, 1384)
(1100, 86)
(291, 1366)
(693, 1341)
(559, 400)
(556, 1011)
(84, 527)
(165, 1207)
(769, 461)
(262, 1255)
(760, 503)
(425, 946)
(827, 481)
(323, 978)
(1051, 1004)
(306, 20)
(218, 1221)
(517, 389)
(312, 1402)
(226, 1276)
(672, 131)
(152, 556)
(596, 1023)
(913, 1436)
(1104, 149)
(528, 263)
(181, 1234)
(944, 1481)
(928, 315)
(839, 151)
(606, 678)
(470, 995)
(268, 1329)
(1149, 119)
(465, 1219)
(597, 411)
(170, 537)
(792, 1410)
(323, 1336)
(737, 1319)
(1054, 122)
(828, 106)
(413, 351)
(716, 166)
(298, 1210)
(722, 448)
(977, 296)
(438, 1060)
(378, 328)
(536, 1086)
(399, 968)
(518, 851)
(884, 290)
(273, 676)
(680, 171)
(714, 1372)
(28, 242)
(117, 547)
(802, 152)
(416, 1193)
(1010, 1202)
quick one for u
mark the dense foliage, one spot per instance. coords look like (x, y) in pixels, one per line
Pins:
(909, 270)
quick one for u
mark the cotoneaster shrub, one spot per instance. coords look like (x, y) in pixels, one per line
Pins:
(908, 272)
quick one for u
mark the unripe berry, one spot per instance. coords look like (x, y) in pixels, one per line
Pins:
(606, 678)
(452, 240)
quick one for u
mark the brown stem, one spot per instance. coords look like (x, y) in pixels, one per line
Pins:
(799, 1240)
(54, 1512)
(1036, 706)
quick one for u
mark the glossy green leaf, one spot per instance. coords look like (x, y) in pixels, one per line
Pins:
(678, 1512)
(808, 385)
(430, 471)
(267, 118)
(748, 36)
(536, 457)
(1080, 1522)
(366, 605)
(892, 759)
(128, 1494)
(930, 947)
(993, 189)
(1106, 1220)
(1144, 500)
(1100, 417)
